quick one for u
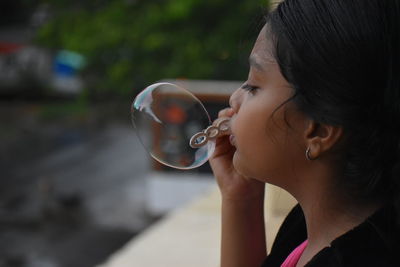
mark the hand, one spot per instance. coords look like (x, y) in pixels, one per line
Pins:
(233, 185)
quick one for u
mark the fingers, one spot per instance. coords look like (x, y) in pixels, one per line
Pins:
(226, 112)
(223, 121)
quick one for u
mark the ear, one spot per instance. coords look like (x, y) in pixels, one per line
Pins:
(321, 138)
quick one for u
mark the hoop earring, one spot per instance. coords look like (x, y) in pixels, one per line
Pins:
(308, 154)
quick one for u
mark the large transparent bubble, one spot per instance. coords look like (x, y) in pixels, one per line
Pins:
(174, 126)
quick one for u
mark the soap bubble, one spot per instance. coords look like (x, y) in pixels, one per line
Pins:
(172, 125)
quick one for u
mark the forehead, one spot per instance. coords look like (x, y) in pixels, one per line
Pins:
(262, 50)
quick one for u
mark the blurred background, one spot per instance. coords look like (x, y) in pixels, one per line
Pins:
(72, 186)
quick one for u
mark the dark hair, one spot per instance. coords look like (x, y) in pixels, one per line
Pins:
(342, 58)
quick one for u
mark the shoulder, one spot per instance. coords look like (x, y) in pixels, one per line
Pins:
(375, 242)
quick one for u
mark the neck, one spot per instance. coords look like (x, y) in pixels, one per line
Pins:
(329, 216)
(329, 213)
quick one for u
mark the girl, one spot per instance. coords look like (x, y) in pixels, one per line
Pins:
(318, 116)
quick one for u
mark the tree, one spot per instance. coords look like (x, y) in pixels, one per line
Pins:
(129, 44)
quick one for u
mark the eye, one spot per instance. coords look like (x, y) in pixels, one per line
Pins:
(249, 88)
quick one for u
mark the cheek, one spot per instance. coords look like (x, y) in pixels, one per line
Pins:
(254, 146)
(263, 147)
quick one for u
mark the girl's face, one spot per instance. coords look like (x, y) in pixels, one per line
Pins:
(268, 144)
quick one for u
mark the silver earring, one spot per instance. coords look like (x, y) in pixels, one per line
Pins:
(308, 154)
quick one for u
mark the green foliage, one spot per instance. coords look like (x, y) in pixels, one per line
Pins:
(130, 44)
(62, 111)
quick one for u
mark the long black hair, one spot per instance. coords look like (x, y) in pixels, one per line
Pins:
(342, 58)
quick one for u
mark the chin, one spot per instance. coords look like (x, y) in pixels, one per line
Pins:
(240, 166)
(247, 171)
(236, 163)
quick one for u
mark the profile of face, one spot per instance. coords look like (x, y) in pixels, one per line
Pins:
(267, 135)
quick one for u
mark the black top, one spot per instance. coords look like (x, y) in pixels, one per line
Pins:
(375, 242)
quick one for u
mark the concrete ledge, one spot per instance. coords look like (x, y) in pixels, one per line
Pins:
(190, 235)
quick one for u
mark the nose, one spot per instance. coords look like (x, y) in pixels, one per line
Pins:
(236, 99)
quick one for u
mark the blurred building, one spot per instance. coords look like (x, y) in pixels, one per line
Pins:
(27, 68)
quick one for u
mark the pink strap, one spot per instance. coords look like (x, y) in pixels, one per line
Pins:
(293, 258)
